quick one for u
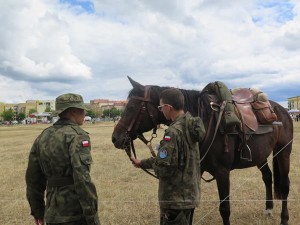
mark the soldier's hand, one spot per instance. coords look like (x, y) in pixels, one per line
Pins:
(39, 221)
(136, 162)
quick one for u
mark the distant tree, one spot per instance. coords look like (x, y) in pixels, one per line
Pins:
(106, 113)
(21, 116)
(8, 115)
(90, 113)
(112, 113)
(96, 110)
(32, 111)
(48, 109)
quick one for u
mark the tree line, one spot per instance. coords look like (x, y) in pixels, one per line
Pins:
(10, 115)
(110, 113)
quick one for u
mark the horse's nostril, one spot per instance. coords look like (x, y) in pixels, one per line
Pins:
(113, 139)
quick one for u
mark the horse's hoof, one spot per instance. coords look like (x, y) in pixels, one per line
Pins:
(268, 212)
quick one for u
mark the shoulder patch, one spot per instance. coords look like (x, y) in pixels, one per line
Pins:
(85, 143)
(163, 153)
(167, 138)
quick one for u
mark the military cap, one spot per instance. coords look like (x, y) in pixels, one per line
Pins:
(66, 101)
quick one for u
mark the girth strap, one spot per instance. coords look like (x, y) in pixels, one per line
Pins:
(60, 181)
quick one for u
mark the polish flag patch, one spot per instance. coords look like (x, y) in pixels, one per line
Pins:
(85, 143)
(167, 138)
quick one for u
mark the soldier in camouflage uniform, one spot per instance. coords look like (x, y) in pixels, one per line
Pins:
(177, 164)
(59, 162)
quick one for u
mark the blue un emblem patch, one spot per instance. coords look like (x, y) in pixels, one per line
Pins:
(163, 153)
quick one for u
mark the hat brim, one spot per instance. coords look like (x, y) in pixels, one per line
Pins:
(59, 111)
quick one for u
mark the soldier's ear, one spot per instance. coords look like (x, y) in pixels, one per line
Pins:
(73, 111)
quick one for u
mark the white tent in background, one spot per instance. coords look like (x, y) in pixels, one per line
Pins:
(294, 111)
(87, 118)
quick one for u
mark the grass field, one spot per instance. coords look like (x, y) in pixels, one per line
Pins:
(128, 196)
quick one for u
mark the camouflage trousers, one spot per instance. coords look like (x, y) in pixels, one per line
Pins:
(176, 216)
(78, 222)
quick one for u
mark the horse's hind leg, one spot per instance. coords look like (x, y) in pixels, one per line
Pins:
(267, 178)
(282, 161)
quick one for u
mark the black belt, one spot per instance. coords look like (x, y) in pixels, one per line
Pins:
(60, 181)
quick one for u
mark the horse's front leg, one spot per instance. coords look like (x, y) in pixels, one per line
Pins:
(223, 183)
(267, 178)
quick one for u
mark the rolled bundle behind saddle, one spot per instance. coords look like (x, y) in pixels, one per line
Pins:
(262, 107)
(223, 94)
(253, 106)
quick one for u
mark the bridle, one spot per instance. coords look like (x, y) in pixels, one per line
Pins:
(145, 103)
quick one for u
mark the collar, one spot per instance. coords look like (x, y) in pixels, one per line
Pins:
(179, 118)
(62, 121)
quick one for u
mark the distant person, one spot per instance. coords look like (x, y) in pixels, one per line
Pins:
(59, 163)
(177, 163)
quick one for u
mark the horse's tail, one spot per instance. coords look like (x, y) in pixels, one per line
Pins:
(276, 178)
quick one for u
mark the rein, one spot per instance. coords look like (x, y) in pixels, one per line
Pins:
(222, 107)
(134, 153)
(221, 111)
(148, 143)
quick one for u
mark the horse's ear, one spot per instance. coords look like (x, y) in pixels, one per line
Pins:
(134, 83)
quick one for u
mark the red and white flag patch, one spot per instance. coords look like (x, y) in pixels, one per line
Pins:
(85, 143)
(167, 138)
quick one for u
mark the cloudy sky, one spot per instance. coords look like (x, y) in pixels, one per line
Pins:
(50, 47)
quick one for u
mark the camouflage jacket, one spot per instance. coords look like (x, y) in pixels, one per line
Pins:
(62, 152)
(177, 166)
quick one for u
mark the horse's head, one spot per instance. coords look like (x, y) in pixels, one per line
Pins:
(140, 115)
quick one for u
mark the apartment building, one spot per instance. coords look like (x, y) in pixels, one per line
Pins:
(294, 103)
(99, 105)
(5, 107)
(37, 106)
(102, 104)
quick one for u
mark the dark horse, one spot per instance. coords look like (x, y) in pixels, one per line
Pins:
(141, 115)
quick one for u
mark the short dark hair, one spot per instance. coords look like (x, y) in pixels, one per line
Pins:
(65, 114)
(173, 97)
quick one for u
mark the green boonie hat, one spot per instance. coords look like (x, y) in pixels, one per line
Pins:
(66, 101)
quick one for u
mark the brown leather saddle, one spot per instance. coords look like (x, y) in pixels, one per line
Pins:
(242, 99)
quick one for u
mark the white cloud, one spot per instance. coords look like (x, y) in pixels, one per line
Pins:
(51, 47)
(36, 45)
(15, 91)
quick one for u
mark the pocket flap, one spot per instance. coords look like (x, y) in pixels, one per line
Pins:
(86, 159)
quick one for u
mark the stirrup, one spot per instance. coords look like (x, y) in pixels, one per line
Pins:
(250, 154)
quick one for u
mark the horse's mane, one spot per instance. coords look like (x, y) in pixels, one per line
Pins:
(190, 96)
